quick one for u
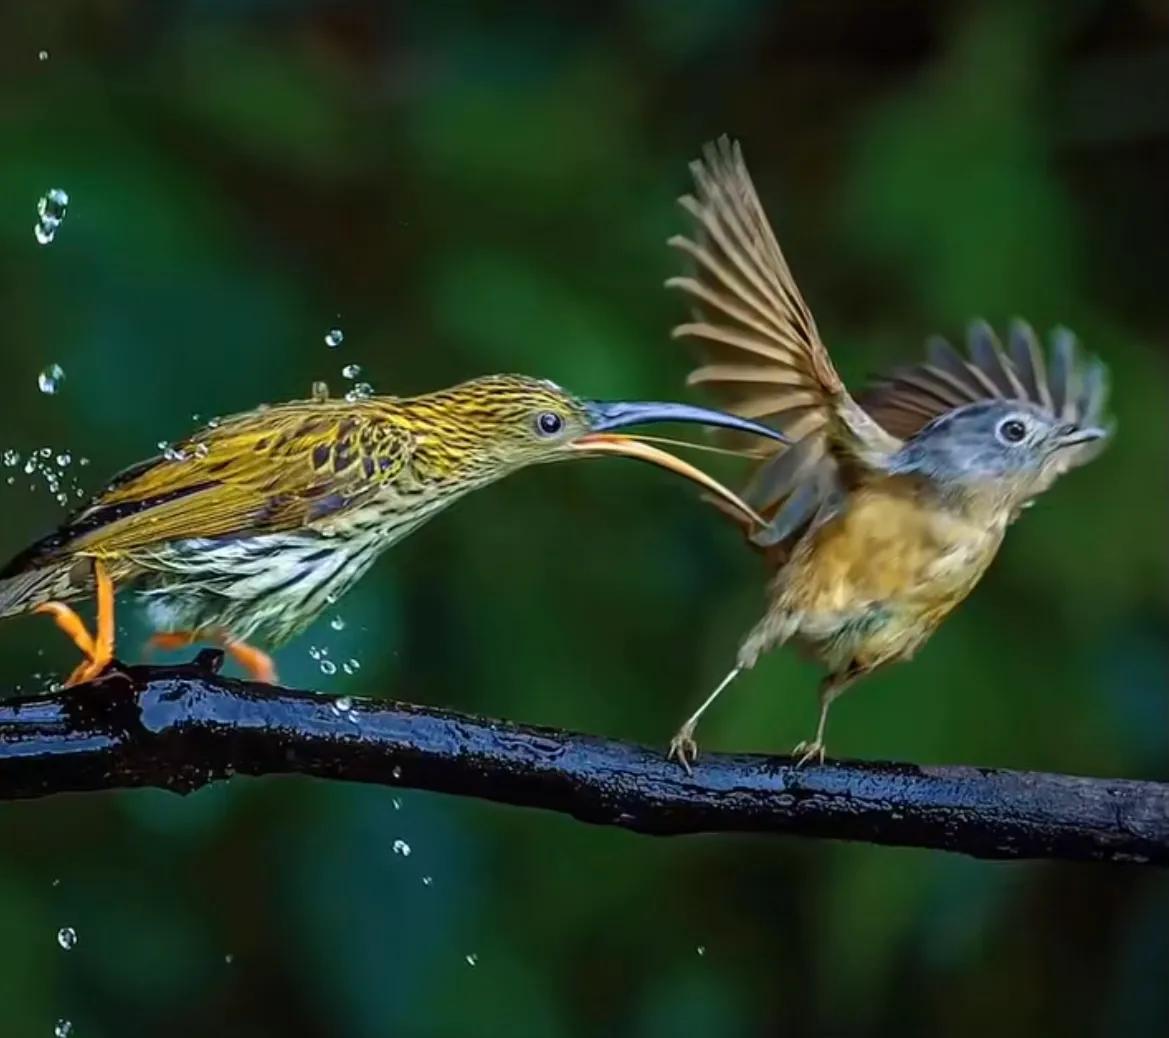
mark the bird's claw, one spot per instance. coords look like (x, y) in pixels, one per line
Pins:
(684, 750)
(805, 751)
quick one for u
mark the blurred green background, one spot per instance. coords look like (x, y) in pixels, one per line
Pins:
(465, 188)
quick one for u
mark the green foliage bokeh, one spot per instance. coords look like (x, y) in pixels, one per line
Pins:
(466, 188)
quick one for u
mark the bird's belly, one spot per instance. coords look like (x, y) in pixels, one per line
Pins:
(874, 584)
(273, 585)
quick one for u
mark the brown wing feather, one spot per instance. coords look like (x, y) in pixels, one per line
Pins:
(765, 358)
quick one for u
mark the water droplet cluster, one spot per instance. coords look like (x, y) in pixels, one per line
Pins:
(52, 467)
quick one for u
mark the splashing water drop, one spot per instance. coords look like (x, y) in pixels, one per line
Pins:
(334, 337)
(343, 704)
(402, 848)
(337, 623)
(64, 459)
(50, 379)
(351, 371)
(67, 938)
(11, 458)
(360, 391)
(50, 212)
(64, 1028)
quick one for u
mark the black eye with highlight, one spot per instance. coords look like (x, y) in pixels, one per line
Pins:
(549, 423)
(1012, 431)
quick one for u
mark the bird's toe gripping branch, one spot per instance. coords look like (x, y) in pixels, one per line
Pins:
(98, 649)
(257, 663)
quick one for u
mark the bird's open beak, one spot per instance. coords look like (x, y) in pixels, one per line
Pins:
(604, 417)
(1073, 436)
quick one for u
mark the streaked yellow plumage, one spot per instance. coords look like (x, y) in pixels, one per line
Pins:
(253, 526)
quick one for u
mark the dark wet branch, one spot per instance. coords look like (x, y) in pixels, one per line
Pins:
(180, 728)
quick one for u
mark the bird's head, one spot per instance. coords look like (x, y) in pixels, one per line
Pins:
(484, 429)
(1010, 447)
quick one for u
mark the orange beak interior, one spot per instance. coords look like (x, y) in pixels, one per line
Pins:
(630, 447)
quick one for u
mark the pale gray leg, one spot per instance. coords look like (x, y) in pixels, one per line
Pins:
(830, 688)
(683, 748)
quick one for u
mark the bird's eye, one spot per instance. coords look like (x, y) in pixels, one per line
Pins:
(1012, 431)
(549, 423)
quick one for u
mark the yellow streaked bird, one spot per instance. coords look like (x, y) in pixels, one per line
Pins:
(250, 528)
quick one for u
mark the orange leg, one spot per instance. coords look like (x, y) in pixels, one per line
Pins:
(256, 662)
(99, 650)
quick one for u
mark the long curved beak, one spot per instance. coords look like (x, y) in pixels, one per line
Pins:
(605, 417)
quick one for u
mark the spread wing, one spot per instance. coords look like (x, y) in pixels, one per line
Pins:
(276, 469)
(1068, 386)
(764, 356)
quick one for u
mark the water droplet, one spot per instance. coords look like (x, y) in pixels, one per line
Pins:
(11, 458)
(701, 949)
(351, 371)
(82, 461)
(319, 392)
(396, 801)
(50, 379)
(343, 704)
(64, 1028)
(427, 880)
(328, 667)
(334, 337)
(170, 452)
(42, 55)
(50, 212)
(471, 958)
(396, 771)
(402, 847)
(337, 623)
(351, 666)
(229, 958)
(64, 460)
(67, 937)
(360, 391)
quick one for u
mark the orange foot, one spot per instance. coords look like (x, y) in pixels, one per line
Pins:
(256, 662)
(99, 651)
